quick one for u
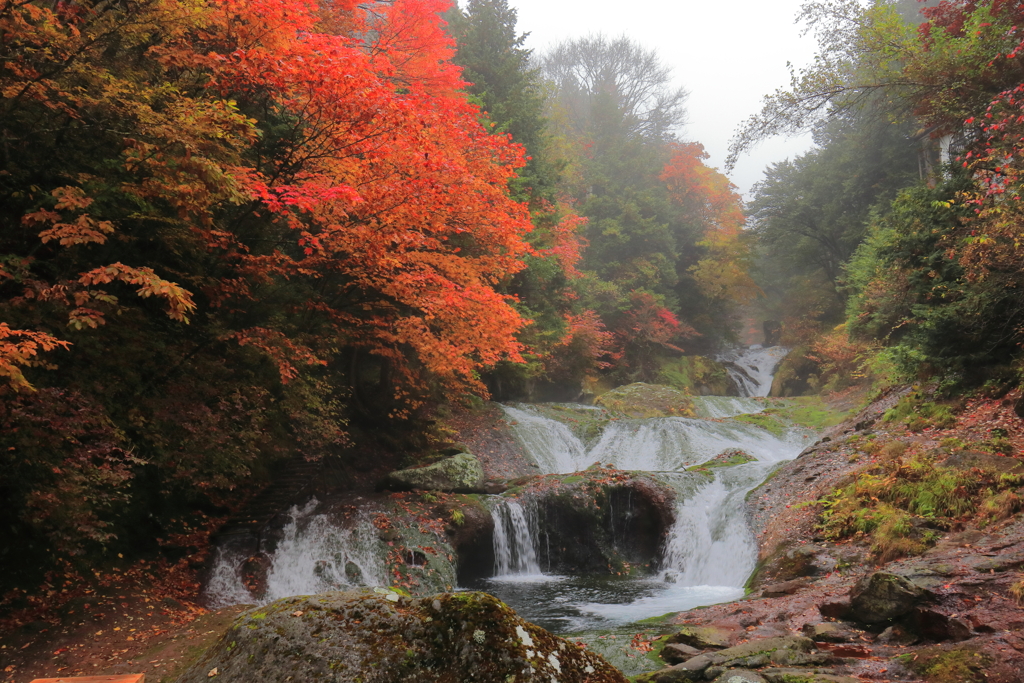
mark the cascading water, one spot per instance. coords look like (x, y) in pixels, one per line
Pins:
(515, 538)
(710, 551)
(752, 368)
(314, 554)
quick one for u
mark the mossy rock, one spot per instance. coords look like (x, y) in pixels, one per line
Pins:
(727, 458)
(766, 421)
(385, 637)
(644, 401)
(948, 665)
(461, 473)
(697, 375)
(796, 375)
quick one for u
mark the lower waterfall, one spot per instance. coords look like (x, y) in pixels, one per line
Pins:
(515, 539)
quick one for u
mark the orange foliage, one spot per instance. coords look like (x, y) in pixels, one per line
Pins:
(708, 198)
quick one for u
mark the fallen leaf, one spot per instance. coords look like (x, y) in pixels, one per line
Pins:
(213, 672)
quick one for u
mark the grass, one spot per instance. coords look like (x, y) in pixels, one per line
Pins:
(900, 503)
(917, 414)
(808, 411)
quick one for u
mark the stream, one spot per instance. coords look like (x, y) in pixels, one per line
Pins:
(707, 555)
(709, 552)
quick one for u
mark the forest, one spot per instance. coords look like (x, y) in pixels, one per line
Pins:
(238, 234)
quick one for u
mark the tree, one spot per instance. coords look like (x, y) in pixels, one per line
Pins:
(304, 202)
(604, 82)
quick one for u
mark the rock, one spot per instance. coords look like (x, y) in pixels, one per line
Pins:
(640, 400)
(835, 608)
(934, 625)
(674, 653)
(785, 675)
(384, 638)
(897, 635)
(831, 632)
(460, 473)
(739, 676)
(882, 596)
(703, 637)
(784, 651)
(776, 590)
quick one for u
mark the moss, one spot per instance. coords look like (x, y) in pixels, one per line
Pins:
(646, 401)
(727, 458)
(959, 665)
(811, 412)
(916, 413)
(766, 421)
(697, 375)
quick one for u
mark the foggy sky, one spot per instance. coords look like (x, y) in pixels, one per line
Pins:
(728, 55)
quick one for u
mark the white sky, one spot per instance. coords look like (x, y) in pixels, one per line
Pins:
(727, 55)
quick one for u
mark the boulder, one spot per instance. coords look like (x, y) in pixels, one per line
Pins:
(881, 596)
(674, 653)
(777, 590)
(384, 637)
(460, 473)
(703, 637)
(831, 632)
(739, 676)
(786, 675)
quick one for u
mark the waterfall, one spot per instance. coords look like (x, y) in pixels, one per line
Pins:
(709, 545)
(718, 407)
(515, 538)
(655, 445)
(314, 554)
(753, 368)
(550, 443)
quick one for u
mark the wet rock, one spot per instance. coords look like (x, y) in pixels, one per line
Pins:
(640, 400)
(703, 637)
(776, 590)
(897, 635)
(385, 638)
(787, 675)
(881, 596)
(739, 676)
(835, 607)
(831, 632)
(601, 520)
(674, 653)
(785, 651)
(935, 625)
(460, 473)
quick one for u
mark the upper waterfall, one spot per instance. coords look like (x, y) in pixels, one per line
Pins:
(753, 368)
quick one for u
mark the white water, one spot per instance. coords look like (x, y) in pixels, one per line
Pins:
(515, 538)
(718, 407)
(315, 554)
(709, 552)
(753, 368)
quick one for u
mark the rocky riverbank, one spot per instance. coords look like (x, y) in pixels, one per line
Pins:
(827, 606)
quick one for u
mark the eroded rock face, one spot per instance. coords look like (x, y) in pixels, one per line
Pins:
(384, 637)
(461, 473)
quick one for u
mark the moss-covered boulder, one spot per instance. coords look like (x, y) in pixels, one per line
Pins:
(797, 375)
(697, 375)
(461, 473)
(384, 637)
(645, 401)
(730, 457)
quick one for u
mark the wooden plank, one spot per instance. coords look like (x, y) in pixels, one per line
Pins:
(123, 678)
